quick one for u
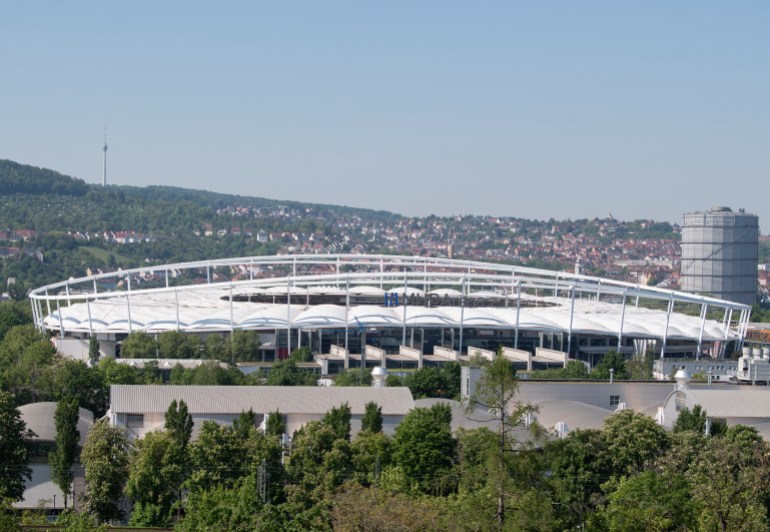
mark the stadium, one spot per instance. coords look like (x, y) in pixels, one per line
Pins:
(354, 310)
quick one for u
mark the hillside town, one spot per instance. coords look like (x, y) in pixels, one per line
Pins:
(642, 251)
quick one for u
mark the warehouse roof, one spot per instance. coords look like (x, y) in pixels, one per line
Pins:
(310, 400)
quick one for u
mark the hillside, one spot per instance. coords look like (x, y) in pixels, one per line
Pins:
(45, 200)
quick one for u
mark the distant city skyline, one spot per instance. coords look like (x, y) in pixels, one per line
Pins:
(533, 110)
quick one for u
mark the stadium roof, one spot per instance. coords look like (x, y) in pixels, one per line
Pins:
(310, 292)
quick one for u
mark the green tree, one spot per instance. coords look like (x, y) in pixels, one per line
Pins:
(372, 420)
(93, 349)
(63, 457)
(354, 377)
(13, 313)
(338, 419)
(14, 450)
(105, 460)
(302, 354)
(139, 345)
(496, 392)
(579, 465)
(244, 423)
(275, 425)
(649, 501)
(443, 381)
(634, 440)
(286, 373)
(694, 420)
(175, 344)
(424, 448)
(217, 458)
(245, 346)
(73, 378)
(179, 423)
(155, 473)
(730, 482)
(611, 360)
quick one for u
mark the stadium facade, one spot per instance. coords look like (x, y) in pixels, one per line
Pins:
(382, 303)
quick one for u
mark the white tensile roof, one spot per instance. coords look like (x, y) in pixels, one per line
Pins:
(475, 295)
(151, 315)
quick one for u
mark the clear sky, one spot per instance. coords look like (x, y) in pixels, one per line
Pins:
(572, 109)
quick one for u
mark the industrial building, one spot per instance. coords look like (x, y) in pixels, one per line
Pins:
(141, 408)
(720, 252)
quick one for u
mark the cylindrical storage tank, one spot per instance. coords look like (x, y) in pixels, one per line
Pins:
(766, 352)
(720, 252)
(757, 352)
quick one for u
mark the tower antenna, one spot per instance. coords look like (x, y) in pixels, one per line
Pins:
(104, 158)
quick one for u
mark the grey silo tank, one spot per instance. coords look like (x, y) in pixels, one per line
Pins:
(720, 251)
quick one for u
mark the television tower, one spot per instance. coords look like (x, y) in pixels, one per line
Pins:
(104, 159)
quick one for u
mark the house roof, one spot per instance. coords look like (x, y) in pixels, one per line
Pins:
(312, 400)
(39, 418)
(732, 401)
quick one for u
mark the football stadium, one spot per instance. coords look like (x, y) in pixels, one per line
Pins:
(394, 311)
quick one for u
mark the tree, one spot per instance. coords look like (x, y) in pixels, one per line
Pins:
(155, 473)
(432, 381)
(67, 439)
(93, 349)
(245, 346)
(423, 447)
(286, 373)
(217, 458)
(302, 354)
(274, 425)
(634, 440)
(338, 419)
(611, 360)
(105, 460)
(354, 377)
(14, 450)
(179, 423)
(139, 345)
(496, 392)
(372, 420)
(649, 501)
(694, 420)
(730, 481)
(245, 423)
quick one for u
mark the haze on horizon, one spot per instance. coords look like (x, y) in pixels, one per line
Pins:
(534, 110)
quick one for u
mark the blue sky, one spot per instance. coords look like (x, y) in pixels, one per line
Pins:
(528, 109)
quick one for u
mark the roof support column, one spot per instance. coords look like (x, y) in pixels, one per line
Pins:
(128, 306)
(622, 321)
(61, 320)
(728, 319)
(665, 331)
(176, 307)
(518, 313)
(462, 317)
(703, 311)
(166, 282)
(403, 328)
(742, 328)
(571, 318)
(288, 316)
(208, 273)
(232, 325)
(347, 312)
(90, 323)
